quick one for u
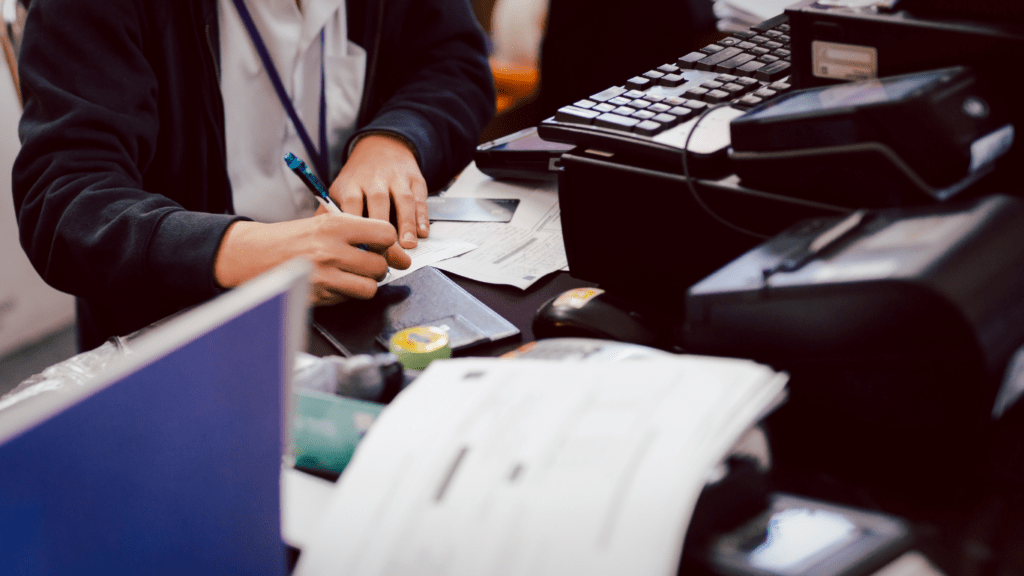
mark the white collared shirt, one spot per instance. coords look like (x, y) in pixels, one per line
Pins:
(258, 129)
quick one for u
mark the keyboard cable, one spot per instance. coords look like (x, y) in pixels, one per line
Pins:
(693, 189)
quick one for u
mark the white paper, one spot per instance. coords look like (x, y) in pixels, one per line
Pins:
(429, 251)
(303, 500)
(532, 467)
(517, 253)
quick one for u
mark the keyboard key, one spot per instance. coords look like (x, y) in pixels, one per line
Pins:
(747, 101)
(734, 62)
(659, 108)
(772, 72)
(624, 111)
(784, 28)
(606, 95)
(648, 128)
(574, 115)
(759, 51)
(696, 92)
(712, 85)
(772, 45)
(687, 62)
(639, 83)
(666, 120)
(643, 114)
(615, 121)
(668, 68)
(682, 112)
(745, 33)
(671, 80)
(695, 104)
(767, 58)
(764, 93)
(604, 107)
(784, 39)
(735, 89)
(653, 98)
(759, 39)
(716, 96)
(712, 49)
(773, 34)
(620, 100)
(746, 45)
(729, 41)
(585, 104)
(640, 103)
(710, 62)
(781, 52)
(780, 86)
(653, 74)
(674, 101)
(633, 94)
(748, 82)
(725, 78)
(750, 68)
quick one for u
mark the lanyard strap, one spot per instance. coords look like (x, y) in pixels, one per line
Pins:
(319, 158)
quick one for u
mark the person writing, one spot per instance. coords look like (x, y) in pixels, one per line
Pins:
(151, 175)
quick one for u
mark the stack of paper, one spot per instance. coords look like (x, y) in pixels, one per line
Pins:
(487, 466)
(517, 253)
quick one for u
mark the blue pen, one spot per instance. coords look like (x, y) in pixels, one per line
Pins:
(311, 182)
(315, 186)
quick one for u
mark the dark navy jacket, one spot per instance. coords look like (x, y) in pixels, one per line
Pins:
(121, 189)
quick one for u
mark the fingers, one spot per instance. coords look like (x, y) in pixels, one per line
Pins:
(405, 213)
(396, 257)
(419, 192)
(331, 286)
(349, 197)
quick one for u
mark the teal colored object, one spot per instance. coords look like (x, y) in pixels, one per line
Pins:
(327, 429)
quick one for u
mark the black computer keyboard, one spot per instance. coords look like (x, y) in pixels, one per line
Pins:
(652, 114)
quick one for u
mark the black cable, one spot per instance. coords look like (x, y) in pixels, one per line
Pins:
(693, 189)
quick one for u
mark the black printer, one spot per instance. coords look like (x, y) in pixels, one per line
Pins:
(896, 326)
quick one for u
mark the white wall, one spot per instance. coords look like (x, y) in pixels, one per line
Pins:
(29, 309)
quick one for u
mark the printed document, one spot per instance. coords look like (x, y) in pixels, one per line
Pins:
(535, 467)
(517, 253)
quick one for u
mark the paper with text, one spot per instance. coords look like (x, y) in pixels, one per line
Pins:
(533, 467)
(429, 251)
(517, 253)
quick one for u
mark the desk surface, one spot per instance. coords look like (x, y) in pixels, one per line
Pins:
(978, 529)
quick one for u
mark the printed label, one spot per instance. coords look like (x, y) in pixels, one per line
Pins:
(843, 61)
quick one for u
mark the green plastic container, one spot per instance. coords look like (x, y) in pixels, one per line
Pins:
(327, 429)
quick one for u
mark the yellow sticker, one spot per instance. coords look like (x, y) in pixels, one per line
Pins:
(577, 297)
(419, 339)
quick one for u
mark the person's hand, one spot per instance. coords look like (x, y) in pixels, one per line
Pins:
(341, 269)
(380, 169)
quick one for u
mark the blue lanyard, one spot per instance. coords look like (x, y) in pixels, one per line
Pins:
(319, 158)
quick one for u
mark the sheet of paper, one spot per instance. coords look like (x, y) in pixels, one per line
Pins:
(303, 499)
(532, 467)
(430, 250)
(517, 253)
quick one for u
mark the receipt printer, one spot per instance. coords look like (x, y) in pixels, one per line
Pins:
(896, 326)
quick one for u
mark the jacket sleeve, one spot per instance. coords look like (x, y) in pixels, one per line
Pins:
(89, 132)
(431, 82)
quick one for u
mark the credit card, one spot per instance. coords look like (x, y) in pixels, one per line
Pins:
(445, 209)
